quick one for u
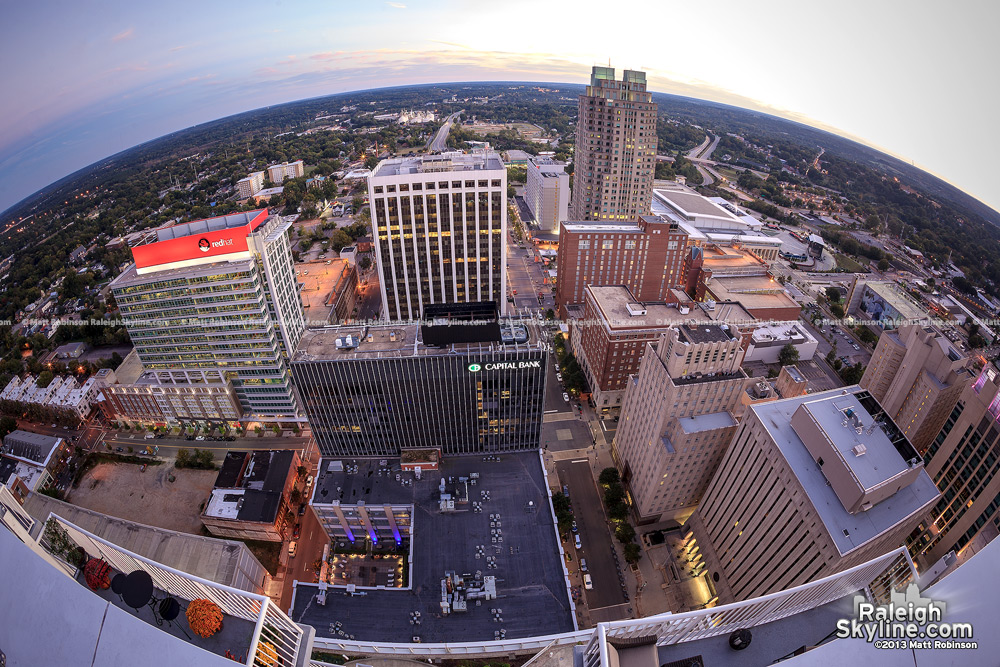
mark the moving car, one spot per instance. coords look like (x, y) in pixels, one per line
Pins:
(588, 583)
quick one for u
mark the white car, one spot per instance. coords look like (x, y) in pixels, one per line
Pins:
(566, 397)
(150, 436)
(579, 544)
(200, 437)
(559, 376)
(588, 583)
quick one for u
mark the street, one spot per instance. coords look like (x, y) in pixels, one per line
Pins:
(440, 140)
(595, 535)
(527, 278)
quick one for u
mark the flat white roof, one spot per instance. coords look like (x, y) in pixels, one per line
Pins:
(709, 422)
(848, 531)
(224, 503)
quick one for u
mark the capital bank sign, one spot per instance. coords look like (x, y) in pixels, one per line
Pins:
(504, 366)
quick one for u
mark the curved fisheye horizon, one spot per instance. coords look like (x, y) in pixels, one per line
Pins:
(120, 78)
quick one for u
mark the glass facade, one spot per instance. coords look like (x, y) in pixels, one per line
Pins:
(483, 401)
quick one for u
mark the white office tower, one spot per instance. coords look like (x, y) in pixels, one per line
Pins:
(546, 192)
(440, 227)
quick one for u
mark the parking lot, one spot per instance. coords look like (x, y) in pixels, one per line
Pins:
(531, 584)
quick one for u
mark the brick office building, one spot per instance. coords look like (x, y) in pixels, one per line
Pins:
(647, 256)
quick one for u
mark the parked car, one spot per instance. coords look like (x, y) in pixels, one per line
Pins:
(583, 565)
(588, 583)
(200, 437)
(566, 397)
(574, 527)
(302, 509)
(150, 436)
(576, 540)
(292, 547)
(559, 376)
(119, 449)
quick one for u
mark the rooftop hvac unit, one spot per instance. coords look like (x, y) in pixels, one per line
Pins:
(346, 343)
(859, 450)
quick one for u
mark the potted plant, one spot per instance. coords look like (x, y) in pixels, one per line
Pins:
(204, 617)
(97, 574)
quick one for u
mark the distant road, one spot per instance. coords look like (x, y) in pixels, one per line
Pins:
(696, 151)
(440, 140)
(707, 155)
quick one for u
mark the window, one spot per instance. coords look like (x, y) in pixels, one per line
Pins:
(607, 245)
(585, 245)
(630, 245)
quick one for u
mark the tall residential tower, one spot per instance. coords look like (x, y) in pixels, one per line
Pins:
(615, 148)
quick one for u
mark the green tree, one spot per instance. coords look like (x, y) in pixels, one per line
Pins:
(633, 552)
(625, 533)
(609, 476)
(7, 425)
(883, 265)
(852, 374)
(837, 310)
(364, 262)
(833, 294)
(789, 355)
(183, 458)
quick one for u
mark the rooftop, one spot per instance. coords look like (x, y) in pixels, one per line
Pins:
(752, 292)
(621, 310)
(223, 561)
(252, 219)
(30, 446)
(250, 484)
(386, 341)
(707, 422)
(892, 294)
(848, 531)
(443, 163)
(692, 206)
(594, 226)
(706, 333)
(530, 574)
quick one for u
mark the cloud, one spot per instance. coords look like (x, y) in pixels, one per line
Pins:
(396, 5)
(123, 35)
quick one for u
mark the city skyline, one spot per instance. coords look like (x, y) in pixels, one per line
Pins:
(109, 80)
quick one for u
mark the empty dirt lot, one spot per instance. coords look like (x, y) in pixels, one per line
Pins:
(119, 489)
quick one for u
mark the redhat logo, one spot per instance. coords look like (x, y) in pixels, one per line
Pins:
(203, 245)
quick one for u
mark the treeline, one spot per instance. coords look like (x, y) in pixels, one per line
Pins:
(850, 245)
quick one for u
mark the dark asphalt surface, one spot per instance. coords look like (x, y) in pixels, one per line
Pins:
(594, 533)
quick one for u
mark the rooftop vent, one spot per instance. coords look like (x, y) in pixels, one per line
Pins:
(635, 309)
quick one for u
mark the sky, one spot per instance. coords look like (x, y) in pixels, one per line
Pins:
(85, 80)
